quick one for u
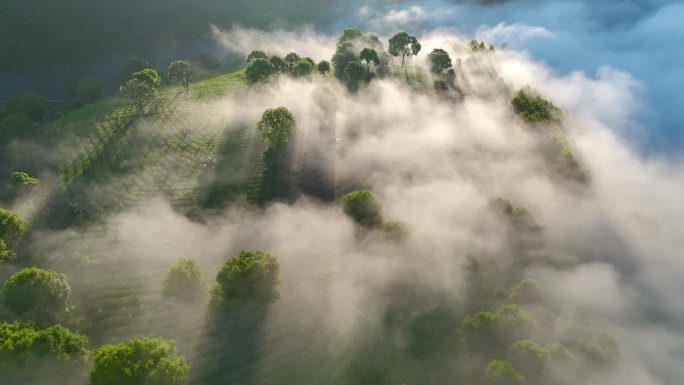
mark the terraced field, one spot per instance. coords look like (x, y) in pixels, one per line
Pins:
(110, 161)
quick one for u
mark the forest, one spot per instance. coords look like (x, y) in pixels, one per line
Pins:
(401, 209)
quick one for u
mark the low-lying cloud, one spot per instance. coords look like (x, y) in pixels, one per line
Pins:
(436, 163)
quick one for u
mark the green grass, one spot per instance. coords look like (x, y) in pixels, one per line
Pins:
(109, 159)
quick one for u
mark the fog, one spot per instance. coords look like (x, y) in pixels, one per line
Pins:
(436, 162)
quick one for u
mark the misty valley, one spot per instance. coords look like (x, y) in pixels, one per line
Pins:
(368, 207)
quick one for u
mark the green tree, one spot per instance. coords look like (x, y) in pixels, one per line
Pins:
(355, 73)
(524, 292)
(14, 125)
(259, 70)
(145, 361)
(256, 54)
(501, 372)
(250, 279)
(148, 76)
(363, 207)
(11, 226)
(369, 56)
(184, 280)
(517, 216)
(19, 182)
(291, 59)
(279, 65)
(533, 108)
(180, 71)
(6, 255)
(395, 231)
(37, 294)
(439, 61)
(302, 68)
(350, 34)
(141, 89)
(515, 322)
(528, 357)
(440, 85)
(477, 46)
(134, 65)
(599, 350)
(25, 348)
(482, 330)
(90, 89)
(277, 125)
(28, 104)
(140, 93)
(323, 67)
(402, 44)
(345, 51)
(21, 178)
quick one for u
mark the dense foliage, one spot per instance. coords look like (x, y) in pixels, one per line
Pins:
(250, 279)
(146, 361)
(277, 125)
(302, 68)
(180, 71)
(439, 61)
(37, 294)
(184, 280)
(533, 108)
(363, 207)
(28, 104)
(11, 226)
(259, 70)
(402, 44)
(23, 342)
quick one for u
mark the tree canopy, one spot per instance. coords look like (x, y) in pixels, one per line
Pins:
(148, 76)
(345, 51)
(303, 68)
(259, 70)
(439, 61)
(37, 294)
(184, 280)
(291, 58)
(18, 182)
(28, 104)
(370, 57)
(363, 207)
(140, 93)
(533, 108)
(323, 67)
(19, 340)
(11, 226)
(25, 347)
(279, 65)
(145, 361)
(180, 71)
(277, 125)
(402, 44)
(6, 254)
(251, 278)
(256, 54)
(355, 73)
(134, 65)
(501, 372)
(528, 357)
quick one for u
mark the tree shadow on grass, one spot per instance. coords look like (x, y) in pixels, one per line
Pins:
(228, 352)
